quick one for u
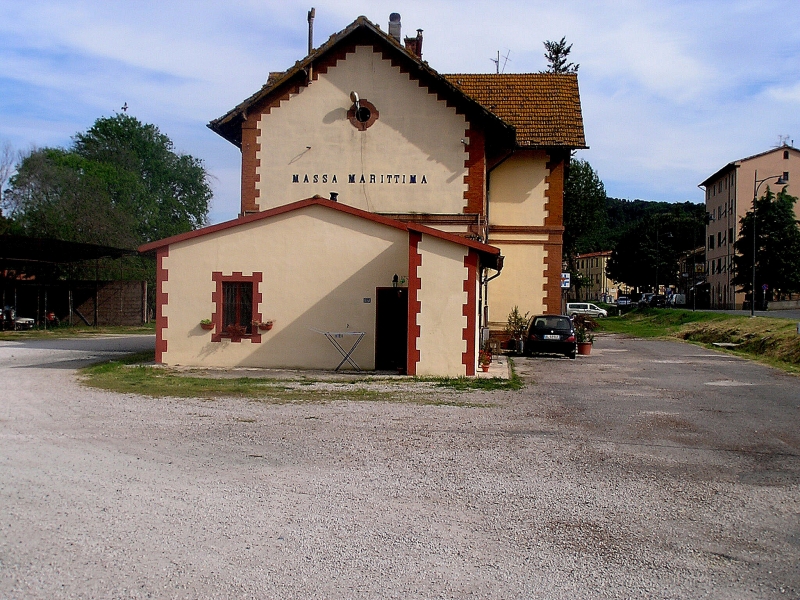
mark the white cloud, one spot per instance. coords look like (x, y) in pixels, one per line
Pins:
(671, 91)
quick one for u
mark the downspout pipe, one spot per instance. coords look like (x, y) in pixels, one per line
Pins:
(484, 296)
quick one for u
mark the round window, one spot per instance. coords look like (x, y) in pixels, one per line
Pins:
(362, 116)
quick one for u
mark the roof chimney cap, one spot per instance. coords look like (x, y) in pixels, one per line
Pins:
(394, 26)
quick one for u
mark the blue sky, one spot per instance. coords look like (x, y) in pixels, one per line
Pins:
(671, 90)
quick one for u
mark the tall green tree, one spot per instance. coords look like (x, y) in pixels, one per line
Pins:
(584, 210)
(557, 55)
(121, 183)
(646, 255)
(777, 247)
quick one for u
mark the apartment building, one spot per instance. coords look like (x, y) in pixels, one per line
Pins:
(729, 196)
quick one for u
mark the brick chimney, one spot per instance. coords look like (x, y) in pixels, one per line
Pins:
(415, 44)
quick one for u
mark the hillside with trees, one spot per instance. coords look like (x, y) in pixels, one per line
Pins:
(646, 238)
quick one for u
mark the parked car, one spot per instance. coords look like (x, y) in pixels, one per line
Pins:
(677, 300)
(551, 334)
(658, 301)
(585, 308)
(644, 301)
(12, 321)
(623, 301)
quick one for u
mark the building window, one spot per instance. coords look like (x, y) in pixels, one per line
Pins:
(711, 242)
(237, 306)
(785, 155)
(786, 175)
(719, 239)
(362, 115)
(236, 300)
(730, 235)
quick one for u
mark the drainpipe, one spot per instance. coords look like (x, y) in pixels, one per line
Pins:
(484, 286)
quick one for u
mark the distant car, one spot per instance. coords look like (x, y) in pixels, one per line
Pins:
(551, 334)
(623, 301)
(658, 301)
(677, 300)
(585, 308)
(644, 301)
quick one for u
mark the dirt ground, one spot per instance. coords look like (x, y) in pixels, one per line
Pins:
(646, 470)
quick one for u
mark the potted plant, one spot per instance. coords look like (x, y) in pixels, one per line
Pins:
(207, 324)
(485, 359)
(236, 331)
(584, 339)
(263, 325)
(517, 327)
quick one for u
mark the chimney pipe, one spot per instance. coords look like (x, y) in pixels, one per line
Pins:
(311, 14)
(394, 26)
(414, 45)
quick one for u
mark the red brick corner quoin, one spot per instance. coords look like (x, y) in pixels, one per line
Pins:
(161, 301)
(414, 305)
(469, 311)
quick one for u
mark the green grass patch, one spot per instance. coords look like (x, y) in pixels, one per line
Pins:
(131, 374)
(765, 339)
(65, 331)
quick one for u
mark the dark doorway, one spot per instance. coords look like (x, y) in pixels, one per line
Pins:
(391, 329)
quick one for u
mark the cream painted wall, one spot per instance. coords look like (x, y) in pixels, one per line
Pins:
(441, 319)
(521, 282)
(416, 134)
(335, 261)
(517, 190)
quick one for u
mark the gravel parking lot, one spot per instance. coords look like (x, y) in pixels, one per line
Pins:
(646, 470)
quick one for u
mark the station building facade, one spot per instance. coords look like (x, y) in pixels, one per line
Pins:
(461, 176)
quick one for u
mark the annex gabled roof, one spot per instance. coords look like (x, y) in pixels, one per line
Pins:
(361, 31)
(545, 108)
(490, 254)
(736, 163)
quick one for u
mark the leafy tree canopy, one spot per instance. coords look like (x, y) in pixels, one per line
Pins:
(557, 56)
(777, 246)
(584, 210)
(646, 255)
(120, 183)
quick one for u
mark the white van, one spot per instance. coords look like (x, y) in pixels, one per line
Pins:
(585, 308)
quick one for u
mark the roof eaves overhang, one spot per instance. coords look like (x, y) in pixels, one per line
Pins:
(498, 130)
(485, 249)
(726, 169)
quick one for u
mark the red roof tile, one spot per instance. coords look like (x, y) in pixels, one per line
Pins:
(545, 108)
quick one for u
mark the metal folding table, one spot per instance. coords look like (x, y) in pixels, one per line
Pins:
(334, 338)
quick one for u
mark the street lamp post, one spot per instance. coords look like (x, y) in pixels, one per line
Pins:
(781, 180)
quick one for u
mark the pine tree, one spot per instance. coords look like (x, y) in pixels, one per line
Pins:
(557, 55)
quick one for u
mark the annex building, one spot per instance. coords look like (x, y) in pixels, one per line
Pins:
(381, 201)
(599, 286)
(729, 196)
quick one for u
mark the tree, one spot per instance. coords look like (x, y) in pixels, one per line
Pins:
(584, 210)
(646, 256)
(777, 247)
(557, 55)
(121, 184)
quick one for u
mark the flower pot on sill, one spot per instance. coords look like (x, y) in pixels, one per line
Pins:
(266, 326)
(485, 368)
(207, 326)
(584, 348)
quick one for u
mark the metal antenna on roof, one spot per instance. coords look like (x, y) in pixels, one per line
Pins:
(496, 62)
(505, 61)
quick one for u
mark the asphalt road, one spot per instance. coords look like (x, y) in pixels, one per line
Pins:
(646, 470)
